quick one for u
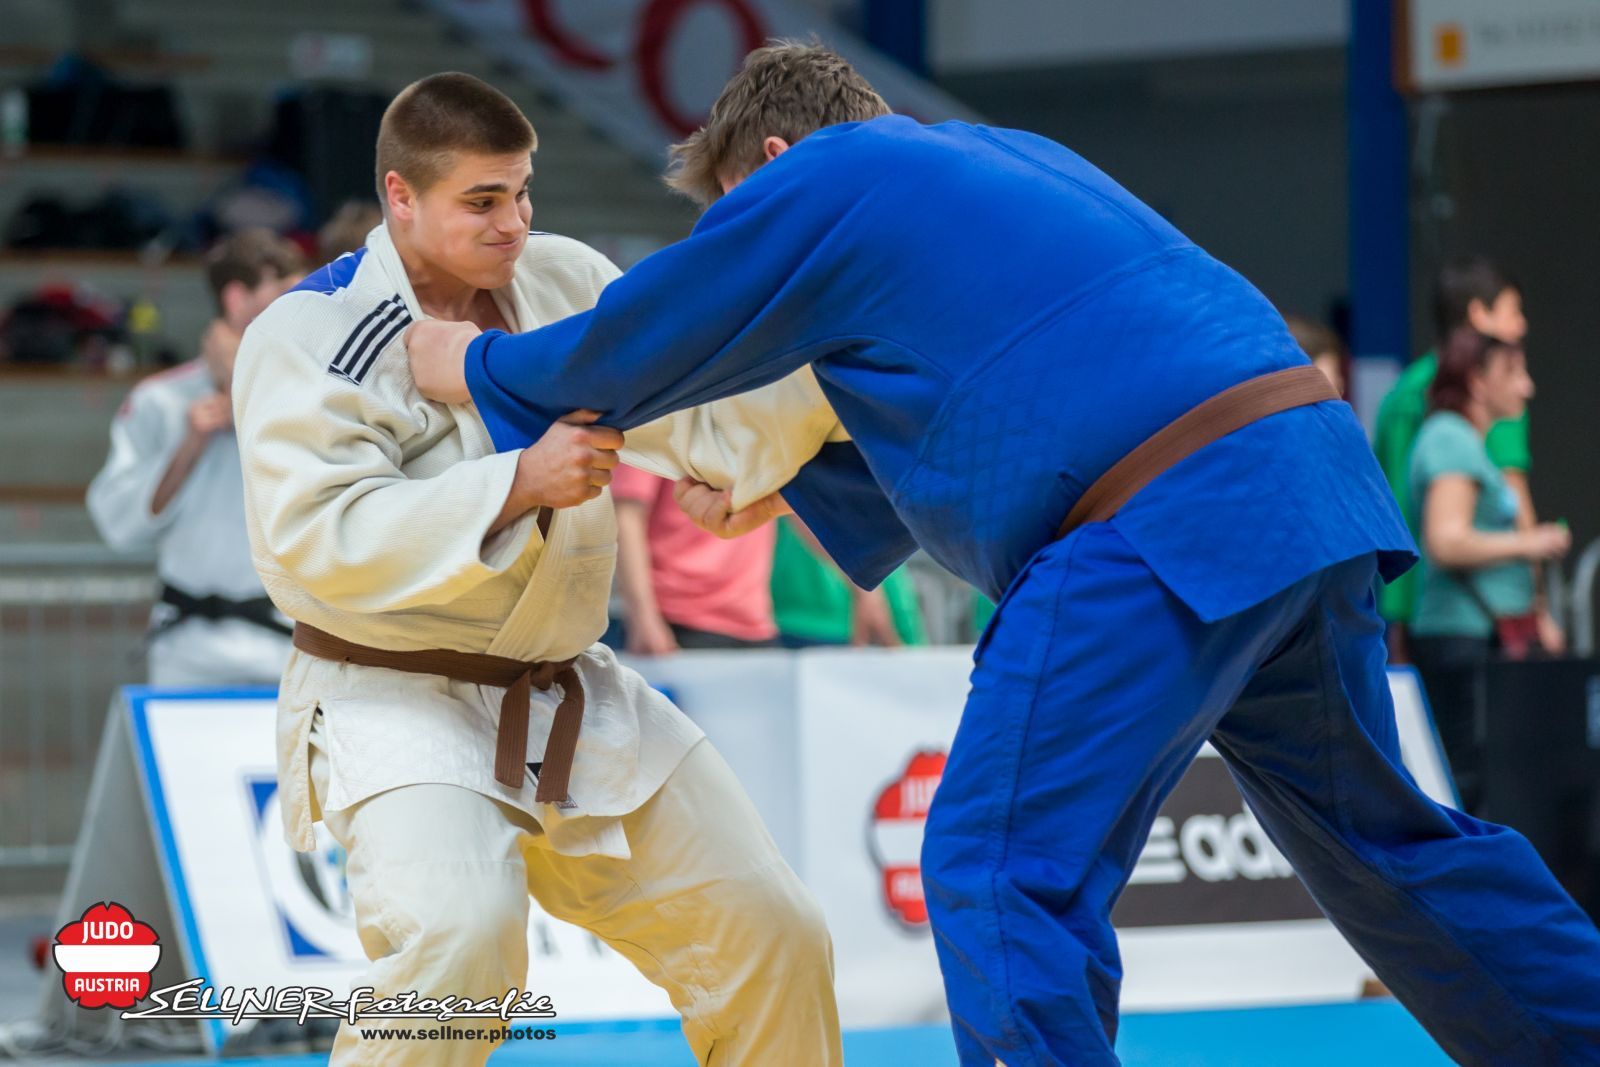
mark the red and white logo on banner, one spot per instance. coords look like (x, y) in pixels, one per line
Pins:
(106, 957)
(898, 818)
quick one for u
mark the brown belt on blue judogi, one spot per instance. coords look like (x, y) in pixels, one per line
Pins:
(1229, 410)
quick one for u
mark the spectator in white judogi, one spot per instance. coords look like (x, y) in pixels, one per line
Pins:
(171, 483)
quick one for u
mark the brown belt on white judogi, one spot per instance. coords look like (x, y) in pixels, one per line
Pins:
(514, 676)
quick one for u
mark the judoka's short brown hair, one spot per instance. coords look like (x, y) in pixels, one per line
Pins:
(787, 89)
(433, 119)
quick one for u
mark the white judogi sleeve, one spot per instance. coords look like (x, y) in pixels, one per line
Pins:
(753, 443)
(332, 510)
(144, 436)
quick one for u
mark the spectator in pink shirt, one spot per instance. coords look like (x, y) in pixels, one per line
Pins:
(681, 586)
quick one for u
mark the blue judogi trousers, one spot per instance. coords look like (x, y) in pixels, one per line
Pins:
(1094, 688)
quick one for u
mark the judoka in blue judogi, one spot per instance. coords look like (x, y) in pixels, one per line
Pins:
(996, 322)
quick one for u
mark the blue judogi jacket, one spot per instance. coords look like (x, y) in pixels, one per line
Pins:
(995, 322)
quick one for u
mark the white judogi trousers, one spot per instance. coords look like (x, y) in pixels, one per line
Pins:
(706, 908)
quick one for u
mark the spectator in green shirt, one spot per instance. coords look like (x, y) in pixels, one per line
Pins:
(1477, 563)
(815, 604)
(1474, 292)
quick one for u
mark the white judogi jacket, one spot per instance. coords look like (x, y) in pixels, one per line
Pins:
(368, 507)
(199, 537)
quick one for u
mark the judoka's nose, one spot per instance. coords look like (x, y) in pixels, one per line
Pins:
(507, 223)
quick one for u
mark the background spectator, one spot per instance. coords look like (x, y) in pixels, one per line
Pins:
(682, 587)
(347, 230)
(172, 482)
(1323, 348)
(815, 604)
(1476, 588)
(1471, 291)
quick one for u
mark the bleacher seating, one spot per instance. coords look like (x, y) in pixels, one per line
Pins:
(227, 64)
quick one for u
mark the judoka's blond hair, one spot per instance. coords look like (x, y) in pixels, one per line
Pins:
(787, 89)
(433, 119)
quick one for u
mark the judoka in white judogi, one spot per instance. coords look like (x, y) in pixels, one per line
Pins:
(367, 509)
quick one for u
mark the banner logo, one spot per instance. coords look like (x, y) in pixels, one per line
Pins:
(895, 838)
(1208, 861)
(106, 957)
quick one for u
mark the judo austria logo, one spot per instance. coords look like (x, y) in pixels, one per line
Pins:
(894, 838)
(106, 957)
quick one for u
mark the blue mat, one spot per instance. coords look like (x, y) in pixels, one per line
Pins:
(1372, 1033)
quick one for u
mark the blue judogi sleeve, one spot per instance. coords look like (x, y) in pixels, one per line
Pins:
(836, 495)
(746, 299)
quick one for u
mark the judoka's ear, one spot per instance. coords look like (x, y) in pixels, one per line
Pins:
(771, 149)
(400, 197)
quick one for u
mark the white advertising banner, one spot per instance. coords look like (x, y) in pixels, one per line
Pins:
(255, 913)
(874, 730)
(1213, 916)
(1470, 44)
(842, 751)
(645, 72)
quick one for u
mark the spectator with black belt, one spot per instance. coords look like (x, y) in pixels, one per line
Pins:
(171, 483)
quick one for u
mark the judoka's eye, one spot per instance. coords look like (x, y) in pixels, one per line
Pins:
(480, 205)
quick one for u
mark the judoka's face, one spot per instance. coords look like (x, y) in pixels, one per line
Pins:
(473, 222)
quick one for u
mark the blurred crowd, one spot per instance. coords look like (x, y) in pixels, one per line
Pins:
(1452, 438)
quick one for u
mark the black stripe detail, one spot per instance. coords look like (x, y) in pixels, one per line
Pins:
(368, 332)
(351, 340)
(380, 344)
(374, 333)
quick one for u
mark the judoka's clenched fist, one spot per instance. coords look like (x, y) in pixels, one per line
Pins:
(570, 464)
(437, 351)
(708, 508)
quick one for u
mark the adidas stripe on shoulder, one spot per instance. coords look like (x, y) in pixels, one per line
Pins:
(360, 350)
